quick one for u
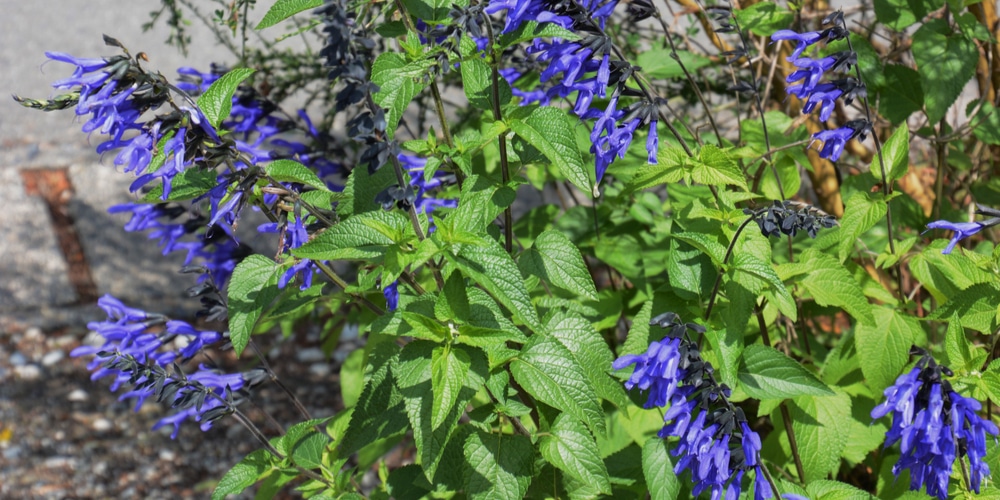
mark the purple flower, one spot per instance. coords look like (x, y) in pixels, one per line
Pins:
(962, 230)
(834, 142)
(657, 371)
(802, 40)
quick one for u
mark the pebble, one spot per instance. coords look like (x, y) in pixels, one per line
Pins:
(12, 452)
(310, 355)
(319, 369)
(34, 333)
(167, 455)
(78, 395)
(53, 462)
(28, 372)
(17, 359)
(102, 425)
(52, 357)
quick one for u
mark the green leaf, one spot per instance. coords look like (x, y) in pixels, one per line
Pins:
(283, 9)
(251, 289)
(716, 167)
(548, 371)
(399, 82)
(190, 183)
(764, 18)
(570, 448)
(988, 120)
(823, 489)
(638, 339)
(453, 302)
(558, 261)
(451, 375)
(884, 347)
(477, 81)
(768, 374)
(361, 189)
(499, 465)
(305, 444)
(896, 153)
(975, 306)
(591, 352)
(431, 10)
(659, 63)
(380, 412)
(253, 467)
(531, 30)
(821, 426)
(488, 264)
(946, 60)
(670, 168)
(659, 471)
(863, 211)
(217, 101)
(293, 171)
(548, 129)
(956, 345)
(361, 237)
(896, 14)
(902, 94)
(832, 285)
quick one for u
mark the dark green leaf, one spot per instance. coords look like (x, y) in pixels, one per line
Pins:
(531, 30)
(658, 63)
(361, 237)
(399, 82)
(895, 14)
(902, 94)
(975, 306)
(863, 211)
(821, 426)
(190, 183)
(380, 411)
(591, 352)
(946, 60)
(832, 285)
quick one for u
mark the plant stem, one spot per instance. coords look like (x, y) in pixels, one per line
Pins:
(718, 278)
(508, 213)
(787, 418)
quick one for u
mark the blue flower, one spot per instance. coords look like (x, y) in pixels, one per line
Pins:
(136, 352)
(391, 293)
(834, 142)
(803, 40)
(657, 371)
(962, 230)
(934, 426)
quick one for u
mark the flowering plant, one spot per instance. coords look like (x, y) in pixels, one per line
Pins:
(504, 197)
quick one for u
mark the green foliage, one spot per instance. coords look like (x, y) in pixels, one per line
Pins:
(254, 285)
(217, 101)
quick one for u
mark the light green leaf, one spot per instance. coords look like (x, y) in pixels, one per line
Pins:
(548, 371)
(591, 352)
(716, 167)
(896, 14)
(499, 465)
(659, 63)
(902, 94)
(896, 153)
(670, 168)
(380, 411)
(863, 211)
(768, 374)
(217, 101)
(548, 129)
(361, 237)
(361, 189)
(283, 9)
(946, 60)
(254, 467)
(832, 285)
(531, 30)
(764, 18)
(452, 375)
(432, 10)
(988, 128)
(251, 289)
(821, 426)
(477, 81)
(884, 347)
(975, 306)
(489, 265)
(293, 171)
(570, 448)
(305, 444)
(823, 489)
(186, 185)
(956, 345)
(659, 470)
(558, 261)
(399, 82)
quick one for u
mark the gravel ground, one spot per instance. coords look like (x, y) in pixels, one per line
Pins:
(64, 436)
